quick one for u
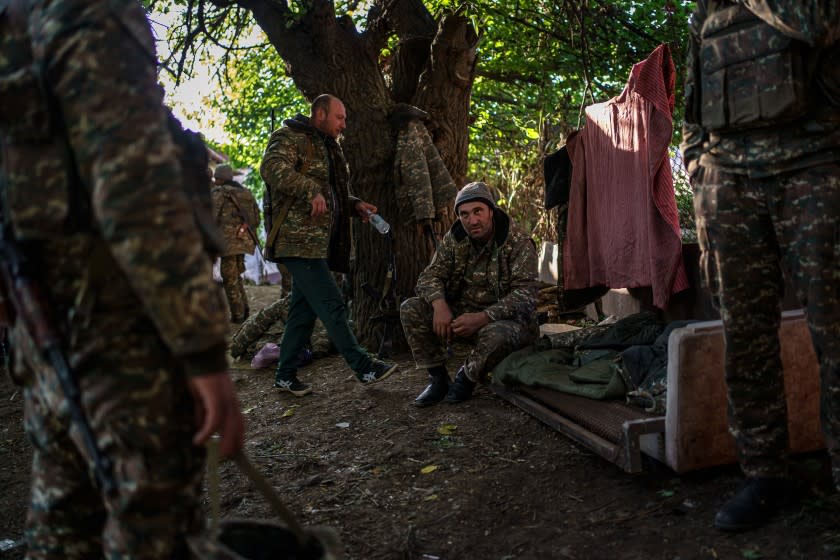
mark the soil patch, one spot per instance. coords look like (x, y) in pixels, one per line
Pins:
(480, 480)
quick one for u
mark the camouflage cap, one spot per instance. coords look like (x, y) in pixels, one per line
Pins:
(223, 172)
(472, 192)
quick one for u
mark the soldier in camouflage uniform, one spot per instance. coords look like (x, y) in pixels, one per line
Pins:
(238, 217)
(129, 284)
(762, 143)
(268, 325)
(311, 206)
(480, 287)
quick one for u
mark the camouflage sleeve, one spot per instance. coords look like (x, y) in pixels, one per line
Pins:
(443, 187)
(414, 171)
(432, 282)
(816, 22)
(99, 59)
(278, 167)
(520, 304)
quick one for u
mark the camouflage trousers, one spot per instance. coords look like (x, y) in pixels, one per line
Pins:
(142, 417)
(231, 269)
(750, 231)
(267, 325)
(490, 345)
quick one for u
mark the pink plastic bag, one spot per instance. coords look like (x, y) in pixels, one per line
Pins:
(268, 356)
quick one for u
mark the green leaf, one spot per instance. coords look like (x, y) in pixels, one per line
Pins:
(446, 429)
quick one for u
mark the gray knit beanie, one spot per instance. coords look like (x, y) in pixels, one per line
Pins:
(472, 192)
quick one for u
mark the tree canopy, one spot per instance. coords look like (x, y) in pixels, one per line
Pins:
(539, 63)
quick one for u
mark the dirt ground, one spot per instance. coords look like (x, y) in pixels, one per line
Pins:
(480, 480)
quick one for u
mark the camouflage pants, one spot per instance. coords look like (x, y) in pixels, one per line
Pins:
(750, 230)
(231, 269)
(142, 416)
(267, 325)
(490, 345)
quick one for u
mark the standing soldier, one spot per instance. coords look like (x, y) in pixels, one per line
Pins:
(238, 217)
(762, 144)
(479, 287)
(309, 188)
(93, 205)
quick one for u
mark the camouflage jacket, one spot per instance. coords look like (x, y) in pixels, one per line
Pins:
(326, 172)
(228, 199)
(499, 277)
(118, 249)
(422, 183)
(773, 148)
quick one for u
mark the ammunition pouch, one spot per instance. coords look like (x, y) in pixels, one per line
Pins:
(751, 75)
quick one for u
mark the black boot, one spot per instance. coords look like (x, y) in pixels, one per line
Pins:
(461, 389)
(758, 500)
(436, 389)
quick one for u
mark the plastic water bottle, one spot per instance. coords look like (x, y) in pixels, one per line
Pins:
(378, 222)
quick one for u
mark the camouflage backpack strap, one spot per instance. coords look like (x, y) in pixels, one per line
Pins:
(287, 204)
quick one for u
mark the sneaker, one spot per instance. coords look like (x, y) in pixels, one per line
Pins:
(293, 385)
(376, 372)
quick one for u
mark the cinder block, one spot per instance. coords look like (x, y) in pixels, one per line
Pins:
(619, 302)
(696, 427)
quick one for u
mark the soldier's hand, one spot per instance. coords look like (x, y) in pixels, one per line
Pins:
(217, 411)
(442, 319)
(319, 205)
(365, 209)
(468, 323)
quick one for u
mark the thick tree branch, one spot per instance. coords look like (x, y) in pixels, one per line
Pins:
(375, 37)
(416, 29)
(322, 25)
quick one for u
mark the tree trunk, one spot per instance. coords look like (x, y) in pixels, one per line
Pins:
(434, 69)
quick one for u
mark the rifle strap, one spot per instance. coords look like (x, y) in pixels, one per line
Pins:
(242, 217)
(287, 204)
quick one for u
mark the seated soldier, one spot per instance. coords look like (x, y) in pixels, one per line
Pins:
(480, 287)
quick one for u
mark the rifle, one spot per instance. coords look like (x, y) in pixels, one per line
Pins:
(267, 207)
(24, 296)
(248, 227)
(386, 300)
